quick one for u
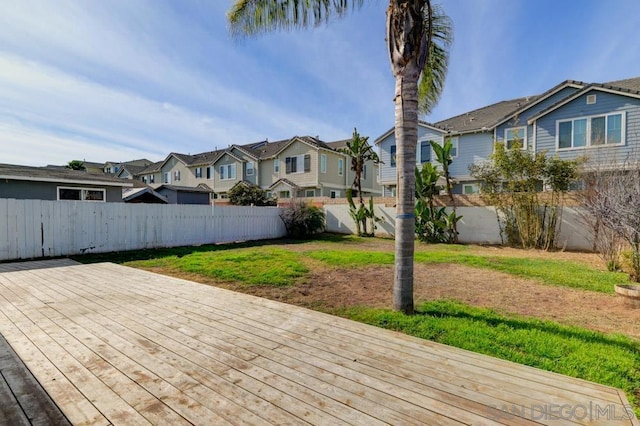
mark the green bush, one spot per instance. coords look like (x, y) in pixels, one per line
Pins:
(249, 195)
(302, 220)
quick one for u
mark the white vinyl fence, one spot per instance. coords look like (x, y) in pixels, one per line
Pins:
(477, 226)
(35, 228)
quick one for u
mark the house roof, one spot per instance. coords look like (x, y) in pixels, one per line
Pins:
(420, 124)
(338, 144)
(132, 194)
(184, 188)
(48, 174)
(632, 84)
(151, 168)
(284, 181)
(131, 168)
(485, 118)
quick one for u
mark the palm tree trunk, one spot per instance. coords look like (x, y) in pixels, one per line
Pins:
(406, 132)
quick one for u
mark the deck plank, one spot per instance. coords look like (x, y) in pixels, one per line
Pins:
(114, 345)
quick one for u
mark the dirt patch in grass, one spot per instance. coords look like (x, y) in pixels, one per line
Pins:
(329, 288)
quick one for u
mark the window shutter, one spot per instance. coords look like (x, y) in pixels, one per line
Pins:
(307, 162)
(287, 165)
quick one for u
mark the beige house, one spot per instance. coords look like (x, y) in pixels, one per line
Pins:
(302, 166)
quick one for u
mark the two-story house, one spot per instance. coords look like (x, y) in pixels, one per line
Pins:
(301, 166)
(571, 120)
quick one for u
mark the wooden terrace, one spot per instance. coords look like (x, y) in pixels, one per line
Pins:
(113, 345)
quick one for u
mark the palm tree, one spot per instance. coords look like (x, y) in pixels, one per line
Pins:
(360, 151)
(418, 38)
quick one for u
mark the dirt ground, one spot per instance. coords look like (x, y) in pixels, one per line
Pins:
(329, 287)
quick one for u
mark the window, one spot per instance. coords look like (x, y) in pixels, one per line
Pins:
(208, 172)
(166, 177)
(310, 193)
(340, 166)
(81, 194)
(228, 172)
(323, 163)
(591, 131)
(298, 164)
(249, 169)
(591, 99)
(144, 179)
(198, 172)
(471, 188)
(364, 171)
(334, 194)
(176, 175)
(454, 147)
(516, 134)
(285, 194)
(152, 178)
(115, 169)
(276, 165)
(425, 152)
(393, 155)
(107, 170)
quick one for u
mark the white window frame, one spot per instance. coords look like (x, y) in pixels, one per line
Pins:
(230, 172)
(323, 163)
(455, 142)
(334, 193)
(83, 193)
(176, 175)
(589, 118)
(310, 191)
(250, 169)
(475, 188)
(513, 130)
(152, 178)
(340, 166)
(299, 162)
(419, 151)
(276, 165)
(199, 172)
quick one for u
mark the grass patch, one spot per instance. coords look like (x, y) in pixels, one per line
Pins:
(551, 272)
(251, 266)
(351, 258)
(606, 359)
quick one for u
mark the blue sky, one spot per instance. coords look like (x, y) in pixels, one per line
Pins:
(124, 79)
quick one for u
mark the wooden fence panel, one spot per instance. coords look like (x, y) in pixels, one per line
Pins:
(35, 228)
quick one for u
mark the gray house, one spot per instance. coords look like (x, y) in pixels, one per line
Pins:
(572, 119)
(43, 183)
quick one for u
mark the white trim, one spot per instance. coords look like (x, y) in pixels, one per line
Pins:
(558, 89)
(276, 165)
(79, 182)
(250, 168)
(83, 193)
(623, 133)
(230, 167)
(456, 145)
(513, 129)
(475, 188)
(576, 96)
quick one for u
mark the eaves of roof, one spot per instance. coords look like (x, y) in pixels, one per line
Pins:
(420, 123)
(591, 87)
(567, 83)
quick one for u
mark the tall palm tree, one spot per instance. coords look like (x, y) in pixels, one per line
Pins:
(360, 151)
(418, 38)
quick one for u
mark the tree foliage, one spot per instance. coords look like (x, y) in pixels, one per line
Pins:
(513, 181)
(418, 38)
(244, 194)
(360, 152)
(76, 165)
(302, 220)
(433, 224)
(612, 202)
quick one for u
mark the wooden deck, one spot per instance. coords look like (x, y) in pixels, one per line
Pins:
(114, 345)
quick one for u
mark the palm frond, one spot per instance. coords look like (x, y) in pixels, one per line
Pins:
(435, 67)
(251, 17)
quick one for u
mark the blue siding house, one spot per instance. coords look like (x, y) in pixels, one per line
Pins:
(573, 119)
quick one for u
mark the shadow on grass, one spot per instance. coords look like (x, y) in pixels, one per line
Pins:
(147, 254)
(494, 320)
